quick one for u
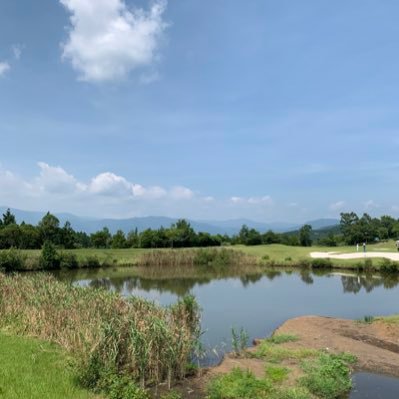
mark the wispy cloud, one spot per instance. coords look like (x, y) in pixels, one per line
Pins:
(337, 206)
(107, 40)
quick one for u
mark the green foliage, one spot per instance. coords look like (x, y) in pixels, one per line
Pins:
(11, 260)
(68, 260)
(388, 266)
(49, 258)
(275, 354)
(171, 395)
(239, 384)
(328, 376)
(276, 374)
(368, 319)
(321, 263)
(239, 340)
(278, 339)
(304, 236)
(110, 337)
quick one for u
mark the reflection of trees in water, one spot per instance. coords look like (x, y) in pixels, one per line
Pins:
(306, 276)
(355, 283)
(250, 279)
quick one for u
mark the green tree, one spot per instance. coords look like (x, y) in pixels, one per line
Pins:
(8, 218)
(101, 239)
(119, 240)
(305, 236)
(50, 228)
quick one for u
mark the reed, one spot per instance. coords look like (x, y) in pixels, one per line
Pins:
(207, 257)
(106, 333)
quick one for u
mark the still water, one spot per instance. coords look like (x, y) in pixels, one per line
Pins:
(261, 302)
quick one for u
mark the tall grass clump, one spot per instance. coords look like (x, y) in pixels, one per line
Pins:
(116, 341)
(11, 260)
(215, 257)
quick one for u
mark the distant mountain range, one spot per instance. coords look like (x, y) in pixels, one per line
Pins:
(90, 225)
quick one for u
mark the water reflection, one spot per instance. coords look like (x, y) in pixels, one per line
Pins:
(129, 280)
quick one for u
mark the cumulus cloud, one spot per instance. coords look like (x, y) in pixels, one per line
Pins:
(4, 67)
(107, 40)
(55, 185)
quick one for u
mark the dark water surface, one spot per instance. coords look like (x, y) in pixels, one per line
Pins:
(261, 302)
(374, 386)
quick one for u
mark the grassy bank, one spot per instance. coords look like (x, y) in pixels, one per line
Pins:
(32, 369)
(118, 344)
(234, 256)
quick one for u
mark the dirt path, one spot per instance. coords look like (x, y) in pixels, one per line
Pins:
(376, 345)
(356, 255)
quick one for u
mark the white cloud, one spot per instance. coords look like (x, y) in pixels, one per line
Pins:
(4, 67)
(108, 40)
(181, 193)
(54, 179)
(337, 206)
(110, 184)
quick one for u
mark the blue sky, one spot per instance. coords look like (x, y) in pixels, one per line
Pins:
(270, 110)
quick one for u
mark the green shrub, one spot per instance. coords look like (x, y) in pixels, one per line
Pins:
(321, 263)
(388, 266)
(68, 261)
(11, 260)
(49, 257)
(91, 262)
(328, 376)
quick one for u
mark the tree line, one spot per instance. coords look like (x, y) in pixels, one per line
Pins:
(351, 230)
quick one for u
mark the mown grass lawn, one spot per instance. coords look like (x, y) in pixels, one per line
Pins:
(32, 369)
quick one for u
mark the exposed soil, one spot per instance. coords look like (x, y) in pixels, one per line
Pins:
(376, 346)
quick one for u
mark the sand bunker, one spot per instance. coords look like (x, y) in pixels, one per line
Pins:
(356, 255)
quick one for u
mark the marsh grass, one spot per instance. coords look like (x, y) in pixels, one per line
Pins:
(204, 257)
(106, 334)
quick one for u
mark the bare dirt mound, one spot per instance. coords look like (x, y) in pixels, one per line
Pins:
(376, 345)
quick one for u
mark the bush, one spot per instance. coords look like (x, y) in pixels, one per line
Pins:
(68, 261)
(91, 262)
(11, 260)
(321, 264)
(328, 376)
(388, 266)
(49, 258)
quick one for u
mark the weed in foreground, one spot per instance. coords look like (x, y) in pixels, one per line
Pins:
(328, 375)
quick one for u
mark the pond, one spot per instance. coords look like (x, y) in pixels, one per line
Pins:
(259, 303)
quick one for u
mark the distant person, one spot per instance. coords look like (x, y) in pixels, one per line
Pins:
(364, 248)
(357, 247)
(397, 245)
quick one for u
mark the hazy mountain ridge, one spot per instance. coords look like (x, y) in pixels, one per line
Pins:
(90, 225)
